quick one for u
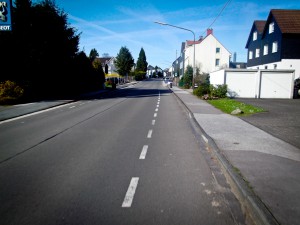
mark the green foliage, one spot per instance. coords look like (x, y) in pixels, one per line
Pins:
(139, 75)
(142, 64)
(10, 92)
(202, 89)
(124, 61)
(93, 54)
(211, 91)
(228, 105)
(188, 77)
(48, 48)
(220, 91)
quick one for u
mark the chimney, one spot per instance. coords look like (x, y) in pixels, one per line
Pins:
(201, 38)
(209, 31)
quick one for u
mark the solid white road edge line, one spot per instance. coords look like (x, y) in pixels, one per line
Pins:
(36, 113)
(144, 152)
(204, 138)
(130, 192)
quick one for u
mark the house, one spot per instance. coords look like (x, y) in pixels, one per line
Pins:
(108, 65)
(153, 71)
(275, 42)
(210, 54)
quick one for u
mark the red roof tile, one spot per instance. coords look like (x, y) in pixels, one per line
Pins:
(260, 25)
(287, 20)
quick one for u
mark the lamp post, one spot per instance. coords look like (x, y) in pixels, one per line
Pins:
(182, 28)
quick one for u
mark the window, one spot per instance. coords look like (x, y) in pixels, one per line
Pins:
(257, 52)
(255, 36)
(217, 50)
(266, 67)
(271, 28)
(217, 62)
(275, 66)
(250, 55)
(266, 49)
(274, 47)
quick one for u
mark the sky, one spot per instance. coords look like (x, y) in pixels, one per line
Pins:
(108, 25)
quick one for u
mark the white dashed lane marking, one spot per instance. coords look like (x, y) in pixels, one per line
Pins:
(153, 122)
(130, 192)
(149, 134)
(144, 152)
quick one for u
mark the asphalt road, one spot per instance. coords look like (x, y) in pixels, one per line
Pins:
(131, 157)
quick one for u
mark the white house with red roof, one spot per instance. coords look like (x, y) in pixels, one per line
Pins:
(210, 54)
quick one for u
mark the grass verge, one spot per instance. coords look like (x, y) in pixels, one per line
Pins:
(228, 105)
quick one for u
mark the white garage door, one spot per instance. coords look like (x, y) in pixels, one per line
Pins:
(276, 85)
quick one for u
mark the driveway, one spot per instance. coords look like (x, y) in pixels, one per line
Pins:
(281, 120)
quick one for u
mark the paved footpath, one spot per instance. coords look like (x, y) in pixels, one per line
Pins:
(264, 170)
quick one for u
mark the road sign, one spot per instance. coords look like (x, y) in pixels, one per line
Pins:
(5, 15)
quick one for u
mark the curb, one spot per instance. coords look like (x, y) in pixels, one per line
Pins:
(254, 209)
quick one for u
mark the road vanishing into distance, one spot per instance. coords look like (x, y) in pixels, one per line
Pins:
(130, 156)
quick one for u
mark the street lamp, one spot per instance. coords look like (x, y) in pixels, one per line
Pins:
(182, 28)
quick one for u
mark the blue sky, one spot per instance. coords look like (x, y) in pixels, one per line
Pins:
(108, 25)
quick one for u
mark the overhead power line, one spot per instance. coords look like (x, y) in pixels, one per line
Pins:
(226, 4)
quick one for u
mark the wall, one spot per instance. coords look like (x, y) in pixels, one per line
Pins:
(288, 64)
(206, 55)
(247, 83)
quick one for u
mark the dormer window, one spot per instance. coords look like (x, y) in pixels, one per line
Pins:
(255, 36)
(271, 28)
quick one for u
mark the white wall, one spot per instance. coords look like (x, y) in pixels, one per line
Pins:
(247, 83)
(285, 64)
(217, 77)
(205, 55)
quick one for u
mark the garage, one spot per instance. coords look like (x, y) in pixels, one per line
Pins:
(276, 85)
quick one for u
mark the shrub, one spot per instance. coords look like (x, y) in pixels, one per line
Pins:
(211, 91)
(220, 91)
(10, 92)
(202, 90)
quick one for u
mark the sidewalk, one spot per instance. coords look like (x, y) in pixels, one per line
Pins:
(264, 170)
(13, 111)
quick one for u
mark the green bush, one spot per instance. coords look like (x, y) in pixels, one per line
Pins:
(139, 75)
(10, 92)
(203, 89)
(220, 91)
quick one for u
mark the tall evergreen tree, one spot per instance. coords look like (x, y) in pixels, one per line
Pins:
(93, 54)
(124, 61)
(142, 64)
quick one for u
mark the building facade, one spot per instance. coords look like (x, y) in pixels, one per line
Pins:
(210, 54)
(275, 43)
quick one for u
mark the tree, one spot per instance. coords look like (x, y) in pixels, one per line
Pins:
(124, 61)
(93, 54)
(188, 77)
(48, 48)
(142, 64)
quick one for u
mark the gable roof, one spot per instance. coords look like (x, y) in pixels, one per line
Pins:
(258, 25)
(288, 20)
(104, 60)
